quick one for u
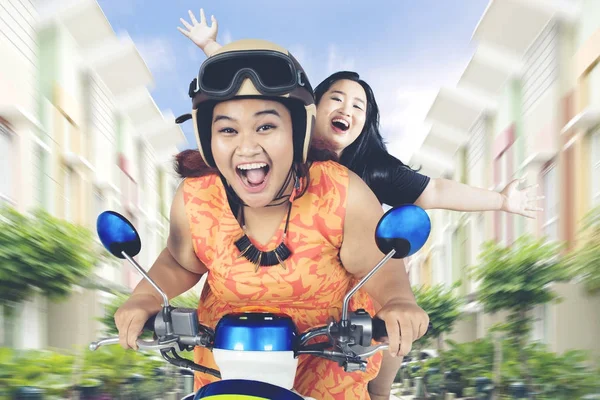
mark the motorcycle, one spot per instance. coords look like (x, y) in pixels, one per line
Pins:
(257, 352)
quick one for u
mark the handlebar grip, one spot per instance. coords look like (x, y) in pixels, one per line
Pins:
(379, 330)
(149, 325)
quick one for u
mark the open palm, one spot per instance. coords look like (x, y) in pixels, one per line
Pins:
(199, 32)
(520, 201)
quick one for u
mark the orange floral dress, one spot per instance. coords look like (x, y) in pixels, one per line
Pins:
(311, 288)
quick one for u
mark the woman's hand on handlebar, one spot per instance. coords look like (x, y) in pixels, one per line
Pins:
(131, 317)
(405, 322)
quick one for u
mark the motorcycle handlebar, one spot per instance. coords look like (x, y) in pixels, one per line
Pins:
(380, 331)
(149, 325)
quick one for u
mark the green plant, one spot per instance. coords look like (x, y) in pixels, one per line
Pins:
(558, 377)
(516, 279)
(114, 366)
(566, 376)
(110, 367)
(443, 307)
(48, 370)
(39, 252)
(585, 258)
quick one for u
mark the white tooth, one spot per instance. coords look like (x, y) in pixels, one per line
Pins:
(252, 166)
(342, 121)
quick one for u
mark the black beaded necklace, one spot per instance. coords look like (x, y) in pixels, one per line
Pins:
(272, 257)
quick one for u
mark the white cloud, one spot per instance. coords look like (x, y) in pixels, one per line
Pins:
(227, 38)
(194, 53)
(305, 59)
(158, 54)
(404, 94)
(337, 62)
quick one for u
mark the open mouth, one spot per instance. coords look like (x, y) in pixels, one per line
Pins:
(253, 175)
(340, 125)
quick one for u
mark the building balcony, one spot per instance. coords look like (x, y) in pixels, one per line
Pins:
(540, 147)
(139, 106)
(513, 25)
(163, 134)
(120, 65)
(459, 108)
(84, 19)
(583, 121)
(488, 70)
(435, 162)
(115, 59)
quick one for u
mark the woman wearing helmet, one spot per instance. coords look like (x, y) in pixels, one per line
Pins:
(270, 223)
(348, 120)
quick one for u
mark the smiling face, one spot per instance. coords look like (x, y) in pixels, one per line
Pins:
(341, 114)
(252, 145)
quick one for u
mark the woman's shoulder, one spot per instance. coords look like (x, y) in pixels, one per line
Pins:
(207, 187)
(328, 167)
(199, 182)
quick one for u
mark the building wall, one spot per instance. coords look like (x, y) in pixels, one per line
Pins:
(73, 323)
(559, 79)
(18, 45)
(66, 147)
(589, 21)
(574, 323)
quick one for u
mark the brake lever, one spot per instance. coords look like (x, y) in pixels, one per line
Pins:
(369, 351)
(142, 344)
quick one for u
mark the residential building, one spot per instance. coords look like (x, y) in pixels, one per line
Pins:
(79, 134)
(523, 107)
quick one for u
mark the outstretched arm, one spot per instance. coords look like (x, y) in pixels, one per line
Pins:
(452, 195)
(394, 183)
(200, 33)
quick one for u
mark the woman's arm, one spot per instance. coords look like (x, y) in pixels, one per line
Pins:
(451, 195)
(201, 34)
(390, 286)
(381, 386)
(394, 183)
(176, 270)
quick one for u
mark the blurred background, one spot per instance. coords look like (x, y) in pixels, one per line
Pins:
(481, 92)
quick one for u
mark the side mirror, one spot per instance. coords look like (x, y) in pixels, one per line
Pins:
(404, 229)
(118, 235)
(400, 233)
(120, 238)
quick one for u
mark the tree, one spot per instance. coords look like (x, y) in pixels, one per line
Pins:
(584, 260)
(39, 252)
(443, 307)
(516, 279)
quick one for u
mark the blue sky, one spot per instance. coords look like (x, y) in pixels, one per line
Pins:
(406, 49)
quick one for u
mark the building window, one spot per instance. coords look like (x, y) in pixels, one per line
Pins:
(595, 168)
(41, 180)
(6, 164)
(541, 66)
(550, 227)
(67, 135)
(141, 175)
(503, 177)
(539, 328)
(67, 189)
(99, 203)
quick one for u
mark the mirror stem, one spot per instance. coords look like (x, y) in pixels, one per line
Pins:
(344, 321)
(166, 305)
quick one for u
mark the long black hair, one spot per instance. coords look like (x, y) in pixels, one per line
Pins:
(367, 156)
